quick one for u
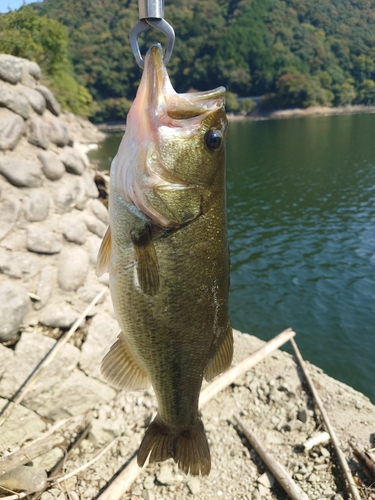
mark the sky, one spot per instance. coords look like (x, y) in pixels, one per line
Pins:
(13, 4)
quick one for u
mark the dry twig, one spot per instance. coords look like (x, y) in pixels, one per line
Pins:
(30, 381)
(352, 487)
(282, 476)
(126, 478)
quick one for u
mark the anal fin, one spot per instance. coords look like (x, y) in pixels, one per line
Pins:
(120, 368)
(223, 358)
(147, 261)
(104, 255)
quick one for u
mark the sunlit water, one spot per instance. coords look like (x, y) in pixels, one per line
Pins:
(301, 222)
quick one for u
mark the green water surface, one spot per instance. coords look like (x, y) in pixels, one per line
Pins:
(301, 223)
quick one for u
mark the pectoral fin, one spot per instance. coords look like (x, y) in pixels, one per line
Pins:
(223, 358)
(147, 261)
(104, 255)
(120, 368)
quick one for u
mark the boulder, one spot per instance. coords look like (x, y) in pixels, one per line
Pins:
(59, 132)
(30, 350)
(65, 194)
(72, 161)
(9, 212)
(35, 98)
(90, 186)
(45, 286)
(19, 265)
(73, 228)
(36, 205)
(52, 167)
(42, 238)
(39, 133)
(73, 268)
(102, 333)
(12, 126)
(58, 315)
(98, 209)
(10, 68)
(11, 99)
(12, 432)
(52, 104)
(21, 173)
(14, 305)
(94, 225)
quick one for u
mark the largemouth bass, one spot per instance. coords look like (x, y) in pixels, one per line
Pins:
(167, 254)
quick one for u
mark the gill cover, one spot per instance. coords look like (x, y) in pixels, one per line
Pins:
(172, 147)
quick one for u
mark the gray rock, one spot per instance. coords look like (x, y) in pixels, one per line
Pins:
(10, 68)
(32, 68)
(12, 126)
(194, 485)
(91, 189)
(20, 265)
(58, 315)
(36, 205)
(6, 356)
(148, 495)
(45, 286)
(59, 132)
(65, 194)
(73, 396)
(266, 480)
(94, 225)
(98, 209)
(14, 305)
(148, 483)
(30, 350)
(52, 167)
(52, 104)
(73, 268)
(102, 333)
(21, 173)
(81, 199)
(11, 99)
(165, 475)
(72, 161)
(9, 212)
(36, 100)
(41, 238)
(12, 432)
(88, 292)
(73, 228)
(39, 133)
(92, 246)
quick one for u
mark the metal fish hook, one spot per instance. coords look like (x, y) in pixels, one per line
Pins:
(151, 14)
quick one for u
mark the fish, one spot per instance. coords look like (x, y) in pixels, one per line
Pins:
(166, 250)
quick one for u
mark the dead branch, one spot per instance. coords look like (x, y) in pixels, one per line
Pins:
(278, 471)
(30, 381)
(340, 455)
(122, 483)
(366, 460)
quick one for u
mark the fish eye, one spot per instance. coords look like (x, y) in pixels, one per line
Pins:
(213, 139)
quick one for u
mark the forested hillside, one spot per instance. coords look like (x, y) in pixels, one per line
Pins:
(297, 52)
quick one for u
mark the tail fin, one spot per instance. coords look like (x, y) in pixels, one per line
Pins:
(189, 447)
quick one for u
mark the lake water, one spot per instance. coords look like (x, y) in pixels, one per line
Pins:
(301, 223)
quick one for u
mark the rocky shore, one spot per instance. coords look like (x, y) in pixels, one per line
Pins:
(51, 224)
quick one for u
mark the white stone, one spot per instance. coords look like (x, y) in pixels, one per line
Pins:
(73, 268)
(14, 305)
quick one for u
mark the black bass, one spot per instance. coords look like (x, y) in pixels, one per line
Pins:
(167, 254)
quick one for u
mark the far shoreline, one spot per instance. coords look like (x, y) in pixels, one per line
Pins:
(280, 114)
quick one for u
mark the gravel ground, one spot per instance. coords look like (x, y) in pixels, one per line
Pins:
(271, 401)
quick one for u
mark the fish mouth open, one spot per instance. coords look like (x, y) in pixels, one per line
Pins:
(160, 97)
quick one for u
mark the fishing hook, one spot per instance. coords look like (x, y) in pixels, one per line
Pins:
(151, 13)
